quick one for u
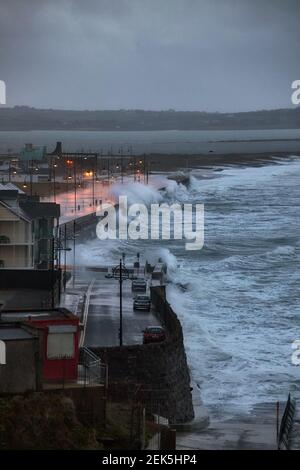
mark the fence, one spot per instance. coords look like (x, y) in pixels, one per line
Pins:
(91, 370)
(286, 424)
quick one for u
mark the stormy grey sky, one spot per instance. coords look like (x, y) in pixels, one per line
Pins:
(213, 55)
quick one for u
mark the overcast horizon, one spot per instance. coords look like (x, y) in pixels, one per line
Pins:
(186, 55)
(145, 110)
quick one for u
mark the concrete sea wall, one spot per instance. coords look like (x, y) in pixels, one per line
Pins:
(154, 374)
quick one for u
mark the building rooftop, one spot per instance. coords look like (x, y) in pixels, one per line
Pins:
(32, 314)
(27, 206)
(10, 187)
(36, 210)
(9, 333)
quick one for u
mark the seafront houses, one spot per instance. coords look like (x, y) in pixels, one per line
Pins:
(16, 238)
(27, 230)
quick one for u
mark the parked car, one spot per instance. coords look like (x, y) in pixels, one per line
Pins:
(154, 334)
(139, 285)
(4, 239)
(142, 302)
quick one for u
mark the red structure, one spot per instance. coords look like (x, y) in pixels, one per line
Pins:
(59, 331)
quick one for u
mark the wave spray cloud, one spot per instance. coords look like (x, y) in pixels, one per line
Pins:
(157, 222)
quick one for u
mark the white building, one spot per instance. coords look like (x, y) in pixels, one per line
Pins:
(26, 230)
(16, 238)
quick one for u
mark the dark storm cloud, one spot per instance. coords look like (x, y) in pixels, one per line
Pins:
(151, 54)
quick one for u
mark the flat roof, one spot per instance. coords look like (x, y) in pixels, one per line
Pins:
(25, 315)
(36, 209)
(10, 333)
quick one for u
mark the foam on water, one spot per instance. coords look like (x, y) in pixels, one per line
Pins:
(137, 193)
(237, 298)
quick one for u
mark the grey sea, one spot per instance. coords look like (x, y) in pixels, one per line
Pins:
(239, 297)
(163, 142)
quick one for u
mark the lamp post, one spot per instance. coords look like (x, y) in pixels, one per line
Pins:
(31, 165)
(75, 188)
(122, 166)
(108, 170)
(93, 178)
(54, 182)
(120, 273)
(74, 252)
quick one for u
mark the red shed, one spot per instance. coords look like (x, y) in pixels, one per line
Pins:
(61, 332)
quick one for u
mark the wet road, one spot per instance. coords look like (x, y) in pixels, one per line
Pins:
(103, 316)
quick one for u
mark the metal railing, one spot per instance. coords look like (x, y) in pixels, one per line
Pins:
(91, 369)
(286, 424)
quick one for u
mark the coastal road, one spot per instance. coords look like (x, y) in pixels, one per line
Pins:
(102, 320)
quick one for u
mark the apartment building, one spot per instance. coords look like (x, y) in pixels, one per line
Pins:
(27, 230)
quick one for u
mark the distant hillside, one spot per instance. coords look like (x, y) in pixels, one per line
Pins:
(25, 118)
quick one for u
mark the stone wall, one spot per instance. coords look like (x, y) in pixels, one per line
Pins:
(156, 374)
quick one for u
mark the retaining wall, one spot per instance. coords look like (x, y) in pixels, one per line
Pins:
(156, 374)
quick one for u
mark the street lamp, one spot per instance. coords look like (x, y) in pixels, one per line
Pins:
(54, 182)
(122, 168)
(120, 273)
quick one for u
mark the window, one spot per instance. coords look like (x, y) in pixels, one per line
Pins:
(2, 352)
(60, 343)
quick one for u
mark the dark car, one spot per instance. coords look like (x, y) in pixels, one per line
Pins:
(142, 302)
(139, 285)
(154, 334)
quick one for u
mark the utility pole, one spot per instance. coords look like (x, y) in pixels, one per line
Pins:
(31, 176)
(52, 274)
(65, 259)
(121, 310)
(75, 187)
(134, 169)
(54, 182)
(93, 181)
(122, 169)
(121, 274)
(74, 254)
